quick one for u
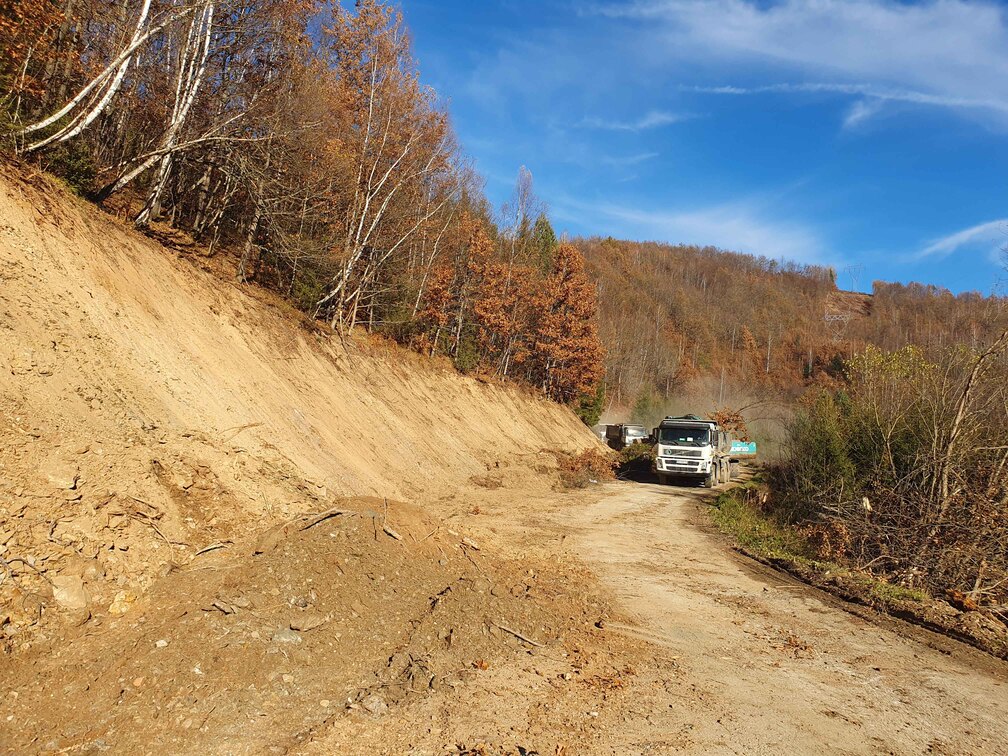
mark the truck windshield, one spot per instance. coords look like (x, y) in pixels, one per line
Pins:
(684, 436)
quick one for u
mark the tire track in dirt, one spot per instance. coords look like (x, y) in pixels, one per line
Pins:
(770, 666)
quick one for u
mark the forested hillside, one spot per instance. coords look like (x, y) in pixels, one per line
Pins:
(698, 321)
(297, 138)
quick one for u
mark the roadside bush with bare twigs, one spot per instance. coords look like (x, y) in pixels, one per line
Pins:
(589, 466)
(909, 462)
(634, 459)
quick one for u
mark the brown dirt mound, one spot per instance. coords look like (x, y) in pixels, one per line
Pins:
(264, 645)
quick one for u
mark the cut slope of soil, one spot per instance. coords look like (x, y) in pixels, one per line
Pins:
(848, 304)
(168, 442)
(149, 409)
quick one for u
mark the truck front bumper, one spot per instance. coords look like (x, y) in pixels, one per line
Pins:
(682, 466)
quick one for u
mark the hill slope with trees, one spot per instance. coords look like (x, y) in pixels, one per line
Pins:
(297, 137)
(681, 320)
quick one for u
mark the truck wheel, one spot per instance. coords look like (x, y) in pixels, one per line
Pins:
(662, 479)
(711, 480)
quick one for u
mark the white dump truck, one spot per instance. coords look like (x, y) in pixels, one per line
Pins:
(693, 448)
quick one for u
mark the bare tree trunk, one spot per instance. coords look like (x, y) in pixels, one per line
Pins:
(945, 462)
(247, 261)
(141, 163)
(430, 264)
(190, 77)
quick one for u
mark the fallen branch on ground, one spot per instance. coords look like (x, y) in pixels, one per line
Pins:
(213, 547)
(323, 516)
(148, 505)
(139, 517)
(518, 635)
(10, 572)
(385, 526)
(238, 429)
(21, 560)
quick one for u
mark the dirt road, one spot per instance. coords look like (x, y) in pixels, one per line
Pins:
(676, 644)
(765, 664)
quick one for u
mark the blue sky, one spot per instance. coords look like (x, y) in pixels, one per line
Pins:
(863, 134)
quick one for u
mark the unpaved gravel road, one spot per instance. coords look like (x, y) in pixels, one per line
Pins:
(766, 664)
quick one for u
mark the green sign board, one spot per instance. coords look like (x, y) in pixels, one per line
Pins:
(743, 447)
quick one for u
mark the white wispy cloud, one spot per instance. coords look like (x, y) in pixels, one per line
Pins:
(938, 53)
(620, 161)
(990, 238)
(873, 95)
(745, 226)
(860, 112)
(652, 120)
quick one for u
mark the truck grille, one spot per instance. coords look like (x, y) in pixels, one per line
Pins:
(684, 465)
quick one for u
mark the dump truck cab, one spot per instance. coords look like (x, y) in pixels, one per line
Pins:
(622, 435)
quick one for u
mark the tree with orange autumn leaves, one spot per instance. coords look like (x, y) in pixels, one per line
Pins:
(310, 152)
(567, 355)
(25, 32)
(516, 319)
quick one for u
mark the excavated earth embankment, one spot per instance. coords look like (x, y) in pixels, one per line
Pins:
(168, 444)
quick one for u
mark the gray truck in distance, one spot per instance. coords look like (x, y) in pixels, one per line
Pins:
(692, 448)
(622, 435)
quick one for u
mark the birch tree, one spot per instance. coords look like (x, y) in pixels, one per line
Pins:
(398, 150)
(92, 100)
(191, 69)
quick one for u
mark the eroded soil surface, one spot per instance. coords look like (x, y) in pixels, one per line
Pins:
(767, 665)
(707, 652)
